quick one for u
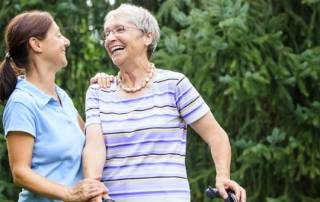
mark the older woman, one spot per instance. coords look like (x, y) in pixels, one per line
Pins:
(143, 117)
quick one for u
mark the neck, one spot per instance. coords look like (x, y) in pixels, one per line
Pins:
(43, 79)
(136, 80)
(132, 75)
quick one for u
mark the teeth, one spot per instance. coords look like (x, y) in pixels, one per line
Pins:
(114, 48)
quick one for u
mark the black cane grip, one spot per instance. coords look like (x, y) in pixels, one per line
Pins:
(214, 193)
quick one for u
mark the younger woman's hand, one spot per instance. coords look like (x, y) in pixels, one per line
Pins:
(102, 79)
(86, 190)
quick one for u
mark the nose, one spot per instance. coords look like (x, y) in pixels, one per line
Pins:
(66, 42)
(108, 39)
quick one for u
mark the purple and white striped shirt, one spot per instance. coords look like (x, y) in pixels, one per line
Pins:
(145, 137)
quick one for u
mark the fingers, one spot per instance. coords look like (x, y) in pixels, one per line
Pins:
(88, 189)
(97, 199)
(93, 80)
(107, 80)
(100, 185)
(235, 187)
(224, 184)
(223, 193)
(95, 194)
(102, 79)
(243, 195)
(238, 190)
(221, 186)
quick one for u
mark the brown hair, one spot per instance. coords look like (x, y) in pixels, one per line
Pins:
(18, 32)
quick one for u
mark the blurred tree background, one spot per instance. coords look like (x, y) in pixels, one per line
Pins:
(255, 62)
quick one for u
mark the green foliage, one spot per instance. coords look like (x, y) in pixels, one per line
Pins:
(255, 62)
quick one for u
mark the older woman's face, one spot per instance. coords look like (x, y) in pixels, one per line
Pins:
(124, 41)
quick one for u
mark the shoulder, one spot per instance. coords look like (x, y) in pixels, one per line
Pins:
(169, 74)
(96, 90)
(93, 87)
(19, 104)
(169, 77)
(22, 97)
(92, 90)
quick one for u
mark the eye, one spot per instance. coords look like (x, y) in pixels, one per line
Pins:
(106, 34)
(119, 29)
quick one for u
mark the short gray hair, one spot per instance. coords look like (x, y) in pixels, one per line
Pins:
(141, 18)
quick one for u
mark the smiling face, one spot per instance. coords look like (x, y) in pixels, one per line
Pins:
(124, 41)
(54, 47)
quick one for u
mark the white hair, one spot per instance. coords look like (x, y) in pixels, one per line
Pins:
(141, 18)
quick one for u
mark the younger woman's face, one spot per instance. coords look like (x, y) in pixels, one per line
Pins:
(54, 47)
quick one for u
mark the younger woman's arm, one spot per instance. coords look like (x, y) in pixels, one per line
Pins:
(20, 146)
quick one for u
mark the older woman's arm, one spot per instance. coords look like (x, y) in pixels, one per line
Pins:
(20, 146)
(214, 135)
(94, 154)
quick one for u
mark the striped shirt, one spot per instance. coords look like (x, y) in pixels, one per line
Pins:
(145, 137)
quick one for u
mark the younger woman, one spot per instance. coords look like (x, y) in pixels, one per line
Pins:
(43, 129)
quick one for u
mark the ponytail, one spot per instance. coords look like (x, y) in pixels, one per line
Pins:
(8, 79)
(18, 32)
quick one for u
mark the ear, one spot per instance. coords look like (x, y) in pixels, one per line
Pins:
(148, 38)
(35, 45)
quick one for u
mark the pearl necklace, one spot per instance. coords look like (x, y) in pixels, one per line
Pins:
(139, 87)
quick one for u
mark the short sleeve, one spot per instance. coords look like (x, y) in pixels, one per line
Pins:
(190, 104)
(18, 117)
(92, 107)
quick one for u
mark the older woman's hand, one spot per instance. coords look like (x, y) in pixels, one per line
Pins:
(85, 190)
(102, 79)
(224, 183)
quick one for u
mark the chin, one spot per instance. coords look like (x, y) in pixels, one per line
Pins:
(116, 62)
(119, 61)
(64, 64)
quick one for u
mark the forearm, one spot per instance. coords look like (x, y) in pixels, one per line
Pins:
(214, 135)
(20, 147)
(221, 154)
(94, 153)
(93, 160)
(28, 179)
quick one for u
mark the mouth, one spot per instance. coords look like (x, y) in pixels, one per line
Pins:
(116, 49)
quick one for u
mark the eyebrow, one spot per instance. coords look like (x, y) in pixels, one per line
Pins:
(108, 28)
(117, 25)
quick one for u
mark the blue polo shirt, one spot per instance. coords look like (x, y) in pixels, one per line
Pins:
(58, 139)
